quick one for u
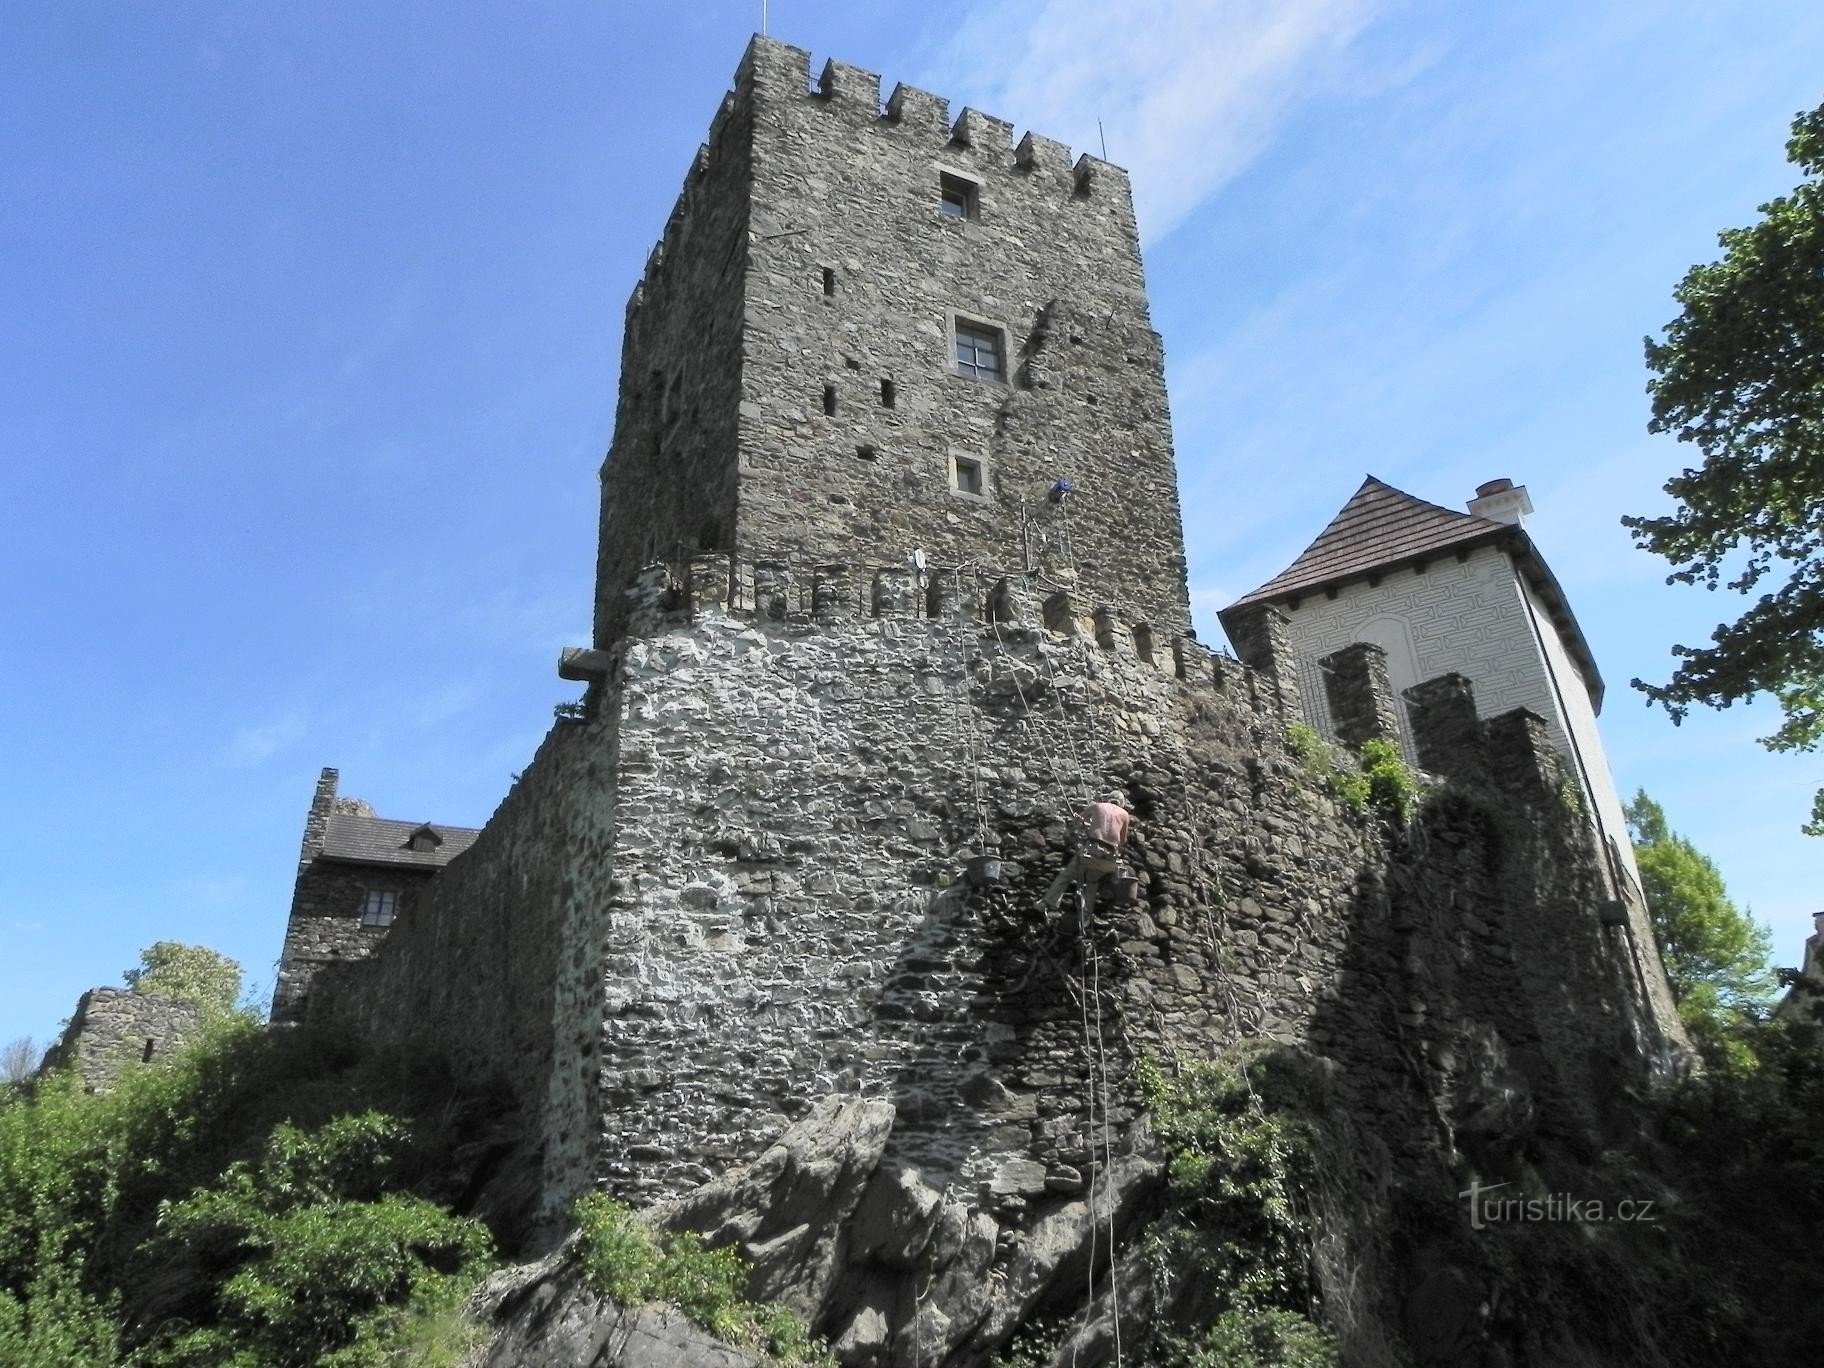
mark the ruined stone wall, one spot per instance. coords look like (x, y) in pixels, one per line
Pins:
(116, 1029)
(744, 886)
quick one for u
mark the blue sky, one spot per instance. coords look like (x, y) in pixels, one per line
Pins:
(311, 329)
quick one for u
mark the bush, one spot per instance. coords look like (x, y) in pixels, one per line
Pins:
(625, 1258)
(1375, 777)
(232, 1206)
(1236, 1239)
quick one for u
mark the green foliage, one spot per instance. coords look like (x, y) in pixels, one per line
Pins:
(1719, 960)
(1264, 1339)
(1376, 778)
(190, 973)
(625, 1258)
(1237, 1238)
(315, 1263)
(277, 1219)
(1740, 375)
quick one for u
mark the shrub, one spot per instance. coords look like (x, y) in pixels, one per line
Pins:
(625, 1258)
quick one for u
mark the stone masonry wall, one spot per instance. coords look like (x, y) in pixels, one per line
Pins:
(499, 963)
(813, 218)
(325, 924)
(116, 1029)
(668, 480)
(743, 886)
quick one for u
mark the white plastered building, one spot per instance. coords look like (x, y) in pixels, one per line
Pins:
(1444, 592)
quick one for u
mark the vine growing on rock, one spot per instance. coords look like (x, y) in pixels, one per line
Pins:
(1375, 777)
(1232, 1256)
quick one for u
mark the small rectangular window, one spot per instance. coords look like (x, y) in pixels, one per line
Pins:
(978, 351)
(957, 197)
(866, 452)
(381, 907)
(968, 475)
(889, 394)
(829, 400)
(829, 281)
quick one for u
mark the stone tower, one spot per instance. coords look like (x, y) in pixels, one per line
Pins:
(868, 332)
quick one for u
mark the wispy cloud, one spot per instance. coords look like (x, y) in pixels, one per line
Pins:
(1188, 92)
(254, 745)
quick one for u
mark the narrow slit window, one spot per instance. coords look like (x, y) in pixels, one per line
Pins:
(829, 281)
(889, 394)
(829, 401)
(957, 197)
(978, 351)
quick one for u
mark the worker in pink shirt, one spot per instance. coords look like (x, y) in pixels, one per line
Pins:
(1100, 832)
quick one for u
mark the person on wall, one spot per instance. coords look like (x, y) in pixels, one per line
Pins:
(1099, 833)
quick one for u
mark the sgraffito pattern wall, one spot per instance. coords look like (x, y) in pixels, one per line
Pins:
(1464, 617)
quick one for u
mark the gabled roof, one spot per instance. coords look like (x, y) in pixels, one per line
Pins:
(1381, 528)
(378, 840)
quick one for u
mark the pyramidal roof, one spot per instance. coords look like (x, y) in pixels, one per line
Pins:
(1380, 526)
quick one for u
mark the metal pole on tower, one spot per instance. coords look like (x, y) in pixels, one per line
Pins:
(763, 18)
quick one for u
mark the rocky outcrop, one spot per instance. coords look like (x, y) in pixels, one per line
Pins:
(892, 1269)
(545, 1314)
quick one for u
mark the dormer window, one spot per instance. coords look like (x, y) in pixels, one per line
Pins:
(424, 840)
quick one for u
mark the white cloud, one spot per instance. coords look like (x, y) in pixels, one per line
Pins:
(255, 745)
(1188, 91)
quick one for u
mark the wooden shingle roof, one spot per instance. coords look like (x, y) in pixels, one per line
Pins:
(1379, 527)
(358, 839)
(1382, 527)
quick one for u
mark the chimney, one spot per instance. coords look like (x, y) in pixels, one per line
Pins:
(1501, 501)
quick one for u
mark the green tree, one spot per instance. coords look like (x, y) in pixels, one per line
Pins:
(1718, 958)
(193, 973)
(1740, 374)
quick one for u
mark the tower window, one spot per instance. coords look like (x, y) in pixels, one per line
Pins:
(381, 907)
(829, 400)
(957, 196)
(978, 351)
(829, 280)
(889, 394)
(966, 475)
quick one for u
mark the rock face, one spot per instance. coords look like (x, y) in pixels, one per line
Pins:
(894, 1271)
(545, 1314)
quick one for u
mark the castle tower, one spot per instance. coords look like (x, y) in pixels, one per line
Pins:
(869, 331)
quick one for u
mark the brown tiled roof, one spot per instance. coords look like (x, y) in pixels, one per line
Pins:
(379, 840)
(1379, 527)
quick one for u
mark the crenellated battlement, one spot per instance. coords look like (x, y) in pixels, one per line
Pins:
(983, 142)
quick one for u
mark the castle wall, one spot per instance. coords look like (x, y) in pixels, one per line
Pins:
(116, 1029)
(1050, 256)
(499, 965)
(668, 480)
(325, 924)
(742, 888)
